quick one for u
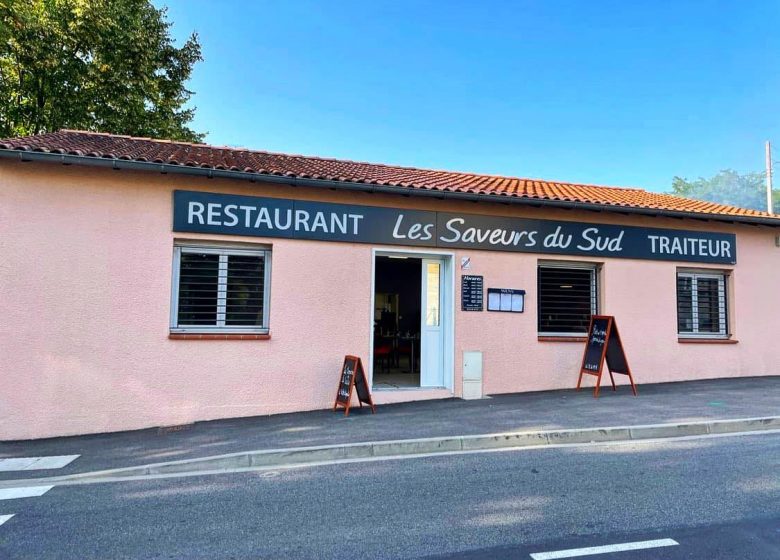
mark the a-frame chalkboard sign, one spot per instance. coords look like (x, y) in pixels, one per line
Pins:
(353, 376)
(604, 344)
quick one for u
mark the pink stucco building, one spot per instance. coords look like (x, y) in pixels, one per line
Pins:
(147, 283)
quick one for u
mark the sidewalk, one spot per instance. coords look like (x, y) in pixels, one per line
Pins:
(657, 404)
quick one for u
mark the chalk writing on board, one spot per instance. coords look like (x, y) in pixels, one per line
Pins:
(604, 344)
(352, 375)
(345, 386)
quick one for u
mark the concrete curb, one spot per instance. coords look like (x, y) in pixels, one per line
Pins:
(411, 447)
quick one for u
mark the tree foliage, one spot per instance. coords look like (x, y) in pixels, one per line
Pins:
(104, 65)
(729, 187)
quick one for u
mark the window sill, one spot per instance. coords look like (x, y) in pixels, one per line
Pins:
(683, 340)
(219, 336)
(575, 338)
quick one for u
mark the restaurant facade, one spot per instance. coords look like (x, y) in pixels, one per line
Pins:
(150, 283)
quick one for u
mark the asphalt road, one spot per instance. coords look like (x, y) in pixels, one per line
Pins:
(718, 498)
(659, 403)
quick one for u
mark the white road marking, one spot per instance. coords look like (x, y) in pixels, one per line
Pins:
(4, 518)
(575, 552)
(36, 463)
(23, 492)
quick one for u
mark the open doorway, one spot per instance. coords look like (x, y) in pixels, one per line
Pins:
(409, 324)
(397, 321)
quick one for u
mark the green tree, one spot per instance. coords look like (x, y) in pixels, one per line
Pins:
(728, 187)
(103, 65)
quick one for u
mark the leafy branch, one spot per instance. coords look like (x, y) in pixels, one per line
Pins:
(103, 65)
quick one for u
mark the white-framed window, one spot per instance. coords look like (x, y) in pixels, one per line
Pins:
(567, 297)
(220, 289)
(702, 304)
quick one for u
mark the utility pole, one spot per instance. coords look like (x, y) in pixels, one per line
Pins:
(769, 177)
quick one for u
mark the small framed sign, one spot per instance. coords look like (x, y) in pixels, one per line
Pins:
(471, 290)
(503, 299)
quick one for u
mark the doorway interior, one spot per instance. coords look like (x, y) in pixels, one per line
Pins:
(408, 323)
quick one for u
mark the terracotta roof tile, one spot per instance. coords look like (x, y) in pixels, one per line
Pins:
(108, 146)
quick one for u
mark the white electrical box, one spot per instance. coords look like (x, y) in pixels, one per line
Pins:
(472, 375)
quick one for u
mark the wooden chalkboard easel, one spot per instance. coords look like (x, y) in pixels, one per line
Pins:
(604, 344)
(353, 376)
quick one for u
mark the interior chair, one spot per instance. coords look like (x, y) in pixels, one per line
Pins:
(383, 352)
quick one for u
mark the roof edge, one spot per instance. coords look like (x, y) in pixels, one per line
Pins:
(164, 168)
(325, 159)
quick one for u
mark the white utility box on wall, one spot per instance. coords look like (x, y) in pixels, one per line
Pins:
(472, 375)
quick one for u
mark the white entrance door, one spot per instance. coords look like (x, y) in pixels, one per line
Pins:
(431, 331)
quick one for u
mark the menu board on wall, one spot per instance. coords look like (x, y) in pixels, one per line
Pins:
(504, 299)
(471, 292)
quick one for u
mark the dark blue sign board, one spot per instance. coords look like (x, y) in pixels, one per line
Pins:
(203, 212)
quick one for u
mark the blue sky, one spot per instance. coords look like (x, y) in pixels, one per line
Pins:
(627, 93)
